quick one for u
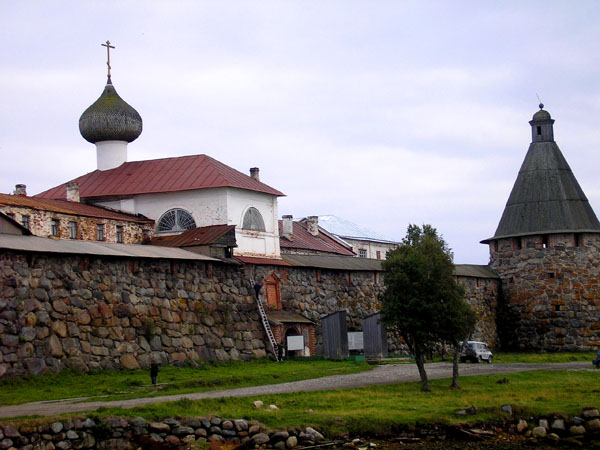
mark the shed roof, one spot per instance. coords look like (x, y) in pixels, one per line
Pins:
(198, 236)
(72, 208)
(338, 262)
(474, 270)
(182, 173)
(546, 197)
(279, 317)
(45, 245)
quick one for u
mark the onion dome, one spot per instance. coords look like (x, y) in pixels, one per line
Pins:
(110, 118)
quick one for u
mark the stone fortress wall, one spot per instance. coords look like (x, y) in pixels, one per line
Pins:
(105, 312)
(550, 291)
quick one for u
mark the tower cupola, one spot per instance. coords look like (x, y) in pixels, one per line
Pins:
(110, 123)
(541, 126)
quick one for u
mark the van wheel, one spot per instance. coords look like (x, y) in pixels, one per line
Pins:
(489, 359)
(479, 360)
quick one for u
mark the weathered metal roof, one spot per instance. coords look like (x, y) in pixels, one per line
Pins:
(45, 245)
(110, 118)
(182, 173)
(546, 197)
(260, 261)
(338, 262)
(474, 270)
(72, 208)
(214, 234)
(279, 317)
(303, 240)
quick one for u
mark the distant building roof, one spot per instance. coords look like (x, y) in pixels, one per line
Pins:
(546, 197)
(182, 173)
(67, 207)
(303, 240)
(349, 230)
(214, 234)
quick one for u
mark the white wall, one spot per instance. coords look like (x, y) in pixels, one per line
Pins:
(215, 207)
(371, 247)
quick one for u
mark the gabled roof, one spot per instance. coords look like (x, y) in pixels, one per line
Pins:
(349, 230)
(66, 207)
(10, 226)
(303, 240)
(214, 234)
(546, 197)
(182, 173)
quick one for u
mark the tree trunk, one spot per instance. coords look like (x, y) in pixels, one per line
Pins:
(420, 360)
(457, 350)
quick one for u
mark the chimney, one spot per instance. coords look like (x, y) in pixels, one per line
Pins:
(288, 227)
(73, 191)
(20, 189)
(254, 173)
(312, 225)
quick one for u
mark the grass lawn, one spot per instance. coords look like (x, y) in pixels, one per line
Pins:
(379, 409)
(506, 357)
(112, 385)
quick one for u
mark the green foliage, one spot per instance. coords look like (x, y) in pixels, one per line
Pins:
(421, 297)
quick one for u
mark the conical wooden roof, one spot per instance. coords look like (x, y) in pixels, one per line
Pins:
(546, 197)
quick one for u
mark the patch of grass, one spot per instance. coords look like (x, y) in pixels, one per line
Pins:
(538, 357)
(112, 385)
(383, 409)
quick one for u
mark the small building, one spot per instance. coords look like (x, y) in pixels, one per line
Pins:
(63, 219)
(364, 242)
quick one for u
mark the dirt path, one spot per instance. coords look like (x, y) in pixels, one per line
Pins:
(386, 374)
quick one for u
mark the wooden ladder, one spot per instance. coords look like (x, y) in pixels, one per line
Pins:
(267, 326)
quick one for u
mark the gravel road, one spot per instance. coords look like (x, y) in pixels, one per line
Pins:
(386, 374)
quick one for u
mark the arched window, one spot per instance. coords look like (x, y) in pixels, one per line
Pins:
(175, 220)
(253, 220)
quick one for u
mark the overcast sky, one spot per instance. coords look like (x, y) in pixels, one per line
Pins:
(384, 113)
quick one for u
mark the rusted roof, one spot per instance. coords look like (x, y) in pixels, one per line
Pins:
(183, 173)
(261, 261)
(197, 236)
(66, 207)
(303, 240)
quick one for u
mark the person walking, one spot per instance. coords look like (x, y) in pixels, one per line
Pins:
(153, 372)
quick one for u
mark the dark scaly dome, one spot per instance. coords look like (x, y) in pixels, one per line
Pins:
(110, 118)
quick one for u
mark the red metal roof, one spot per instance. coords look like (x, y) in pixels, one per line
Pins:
(195, 236)
(66, 207)
(261, 261)
(183, 173)
(303, 240)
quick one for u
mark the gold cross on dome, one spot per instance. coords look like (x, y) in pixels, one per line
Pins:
(108, 47)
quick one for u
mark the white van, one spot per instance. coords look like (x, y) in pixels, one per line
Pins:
(476, 351)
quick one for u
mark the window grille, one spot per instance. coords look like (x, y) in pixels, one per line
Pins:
(175, 220)
(253, 220)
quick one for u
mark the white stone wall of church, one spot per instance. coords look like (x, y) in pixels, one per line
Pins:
(207, 206)
(215, 207)
(252, 243)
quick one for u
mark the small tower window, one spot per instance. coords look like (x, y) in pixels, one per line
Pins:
(119, 234)
(538, 130)
(175, 220)
(545, 241)
(253, 220)
(25, 221)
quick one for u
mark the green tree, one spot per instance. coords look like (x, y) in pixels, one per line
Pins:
(420, 292)
(458, 324)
